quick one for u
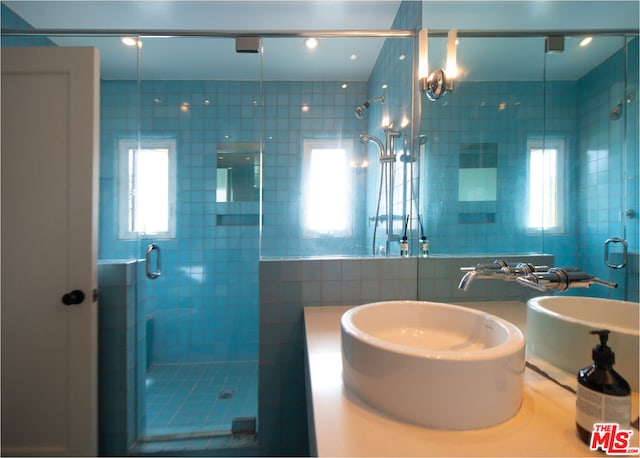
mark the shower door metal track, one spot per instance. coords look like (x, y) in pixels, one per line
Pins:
(435, 33)
(215, 33)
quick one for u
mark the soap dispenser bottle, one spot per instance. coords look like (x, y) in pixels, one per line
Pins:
(404, 241)
(603, 396)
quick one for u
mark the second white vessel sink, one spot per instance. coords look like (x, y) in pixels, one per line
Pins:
(437, 365)
(558, 331)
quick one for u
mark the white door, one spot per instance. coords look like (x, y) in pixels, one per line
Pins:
(49, 162)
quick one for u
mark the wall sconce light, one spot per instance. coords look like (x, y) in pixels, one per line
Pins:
(423, 59)
(439, 82)
(452, 55)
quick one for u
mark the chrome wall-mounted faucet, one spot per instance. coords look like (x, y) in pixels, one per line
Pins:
(561, 279)
(499, 269)
(540, 278)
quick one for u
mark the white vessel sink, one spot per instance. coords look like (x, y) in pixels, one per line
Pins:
(558, 331)
(436, 365)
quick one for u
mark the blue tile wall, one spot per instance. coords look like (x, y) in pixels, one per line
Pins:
(505, 114)
(204, 305)
(330, 115)
(210, 271)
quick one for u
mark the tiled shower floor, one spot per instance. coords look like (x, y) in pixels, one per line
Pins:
(199, 398)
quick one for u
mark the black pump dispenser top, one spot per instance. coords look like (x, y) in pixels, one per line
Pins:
(602, 355)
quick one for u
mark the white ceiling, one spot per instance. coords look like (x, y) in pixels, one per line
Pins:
(287, 59)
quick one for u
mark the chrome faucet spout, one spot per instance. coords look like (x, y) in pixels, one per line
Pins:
(466, 280)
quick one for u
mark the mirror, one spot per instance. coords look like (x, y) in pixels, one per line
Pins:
(532, 154)
(477, 176)
(238, 172)
(474, 168)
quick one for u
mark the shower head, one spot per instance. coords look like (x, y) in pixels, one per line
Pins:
(361, 110)
(616, 112)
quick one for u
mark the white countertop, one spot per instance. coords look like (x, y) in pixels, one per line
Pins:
(343, 425)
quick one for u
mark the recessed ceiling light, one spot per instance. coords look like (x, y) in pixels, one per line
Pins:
(311, 43)
(585, 41)
(353, 57)
(305, 107)
(129, 41)
(402, 57)
(385, 85)
(345, 85)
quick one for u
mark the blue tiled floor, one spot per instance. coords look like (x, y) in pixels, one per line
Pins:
(199, 398)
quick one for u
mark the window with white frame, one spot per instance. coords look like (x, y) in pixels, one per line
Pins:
(327, 188)
(147, 188)
(546, 183)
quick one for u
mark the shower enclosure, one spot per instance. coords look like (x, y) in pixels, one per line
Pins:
(200, 174)
(250, 142)
(181, 152)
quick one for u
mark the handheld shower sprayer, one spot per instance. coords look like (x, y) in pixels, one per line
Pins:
(365, 138)
(361, 110)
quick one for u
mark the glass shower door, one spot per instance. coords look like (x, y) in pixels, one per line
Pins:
(602, 158)
(631, 207)
(198, 161)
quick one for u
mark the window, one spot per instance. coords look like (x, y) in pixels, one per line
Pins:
(546, 184)
(147, 188)
(327, 194)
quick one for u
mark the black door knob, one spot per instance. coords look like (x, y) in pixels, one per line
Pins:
(73, 298)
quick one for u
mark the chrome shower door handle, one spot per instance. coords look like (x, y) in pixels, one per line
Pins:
(610, 264)
(156, 273)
